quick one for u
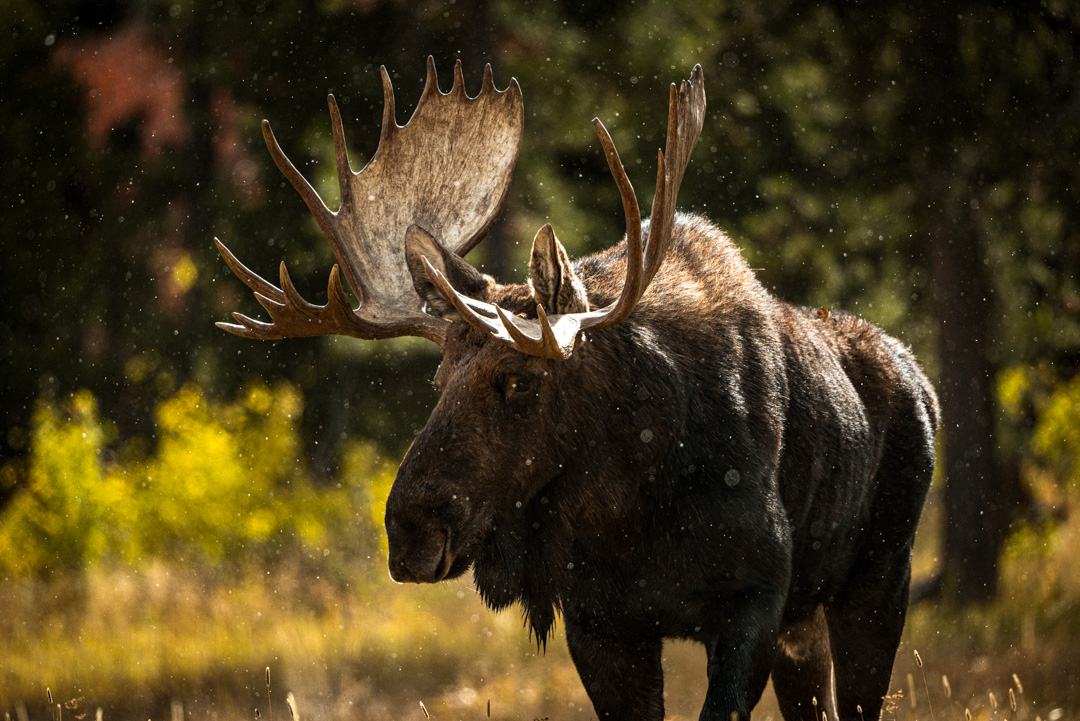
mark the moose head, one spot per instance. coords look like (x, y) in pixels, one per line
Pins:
(512, 354)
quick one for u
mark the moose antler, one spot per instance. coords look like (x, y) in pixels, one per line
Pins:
(447, 170)
(555, 336)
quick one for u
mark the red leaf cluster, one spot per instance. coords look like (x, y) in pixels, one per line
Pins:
(126, 76)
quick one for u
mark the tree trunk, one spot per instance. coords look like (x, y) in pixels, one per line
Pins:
(974, 520)
(974, 527)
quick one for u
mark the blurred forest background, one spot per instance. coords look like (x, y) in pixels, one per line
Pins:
(180, 508)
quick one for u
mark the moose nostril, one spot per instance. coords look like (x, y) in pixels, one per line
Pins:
(398, 571)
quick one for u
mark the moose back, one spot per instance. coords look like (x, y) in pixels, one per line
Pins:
(644, 440)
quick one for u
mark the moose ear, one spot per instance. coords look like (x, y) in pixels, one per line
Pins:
(462, 276)
(554, 284)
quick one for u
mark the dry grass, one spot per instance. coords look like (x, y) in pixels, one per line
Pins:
(135, 642)
(165, 642)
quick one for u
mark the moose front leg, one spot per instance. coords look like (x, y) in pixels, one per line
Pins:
(741, 646)
(624, 678)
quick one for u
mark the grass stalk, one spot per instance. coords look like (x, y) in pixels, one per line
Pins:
(926, 686)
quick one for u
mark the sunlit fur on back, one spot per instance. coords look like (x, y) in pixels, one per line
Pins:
(721, 467)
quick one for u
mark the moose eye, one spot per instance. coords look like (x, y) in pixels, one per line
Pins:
(518, 387)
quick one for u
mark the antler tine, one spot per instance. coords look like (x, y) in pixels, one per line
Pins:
(558, 345)
(251, 279)
(459, 81)
(318, 208)
(244, 327)
(345, 173)
(335, 291)
(547, 345)
(656, 243)
(271, 305)
(389, 111)
(292, 295)
(686, 115)
(547, 335)
(431, 82)
(634, 261)
(462, 303)
(341, 151)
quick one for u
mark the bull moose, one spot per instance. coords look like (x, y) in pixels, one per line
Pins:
(644, 440)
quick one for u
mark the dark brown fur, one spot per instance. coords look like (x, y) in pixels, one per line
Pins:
(720, 467)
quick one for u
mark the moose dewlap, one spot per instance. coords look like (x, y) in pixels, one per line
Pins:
(643, 440)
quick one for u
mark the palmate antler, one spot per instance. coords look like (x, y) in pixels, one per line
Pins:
(555, 336)
(447, 170)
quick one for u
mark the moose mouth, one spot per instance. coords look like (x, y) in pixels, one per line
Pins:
(442, 570)
(453, 562)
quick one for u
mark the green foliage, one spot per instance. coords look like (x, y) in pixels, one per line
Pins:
(225, 485)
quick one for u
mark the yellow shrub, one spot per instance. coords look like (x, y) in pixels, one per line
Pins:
(1057, 432)
(60, 520)
(225, 484)
(1041, 411)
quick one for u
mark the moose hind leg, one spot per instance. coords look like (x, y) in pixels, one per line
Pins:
(865, 633)
(802, 671)
(866, 620)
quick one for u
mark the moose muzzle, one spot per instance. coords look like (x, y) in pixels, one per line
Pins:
(419, 555)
